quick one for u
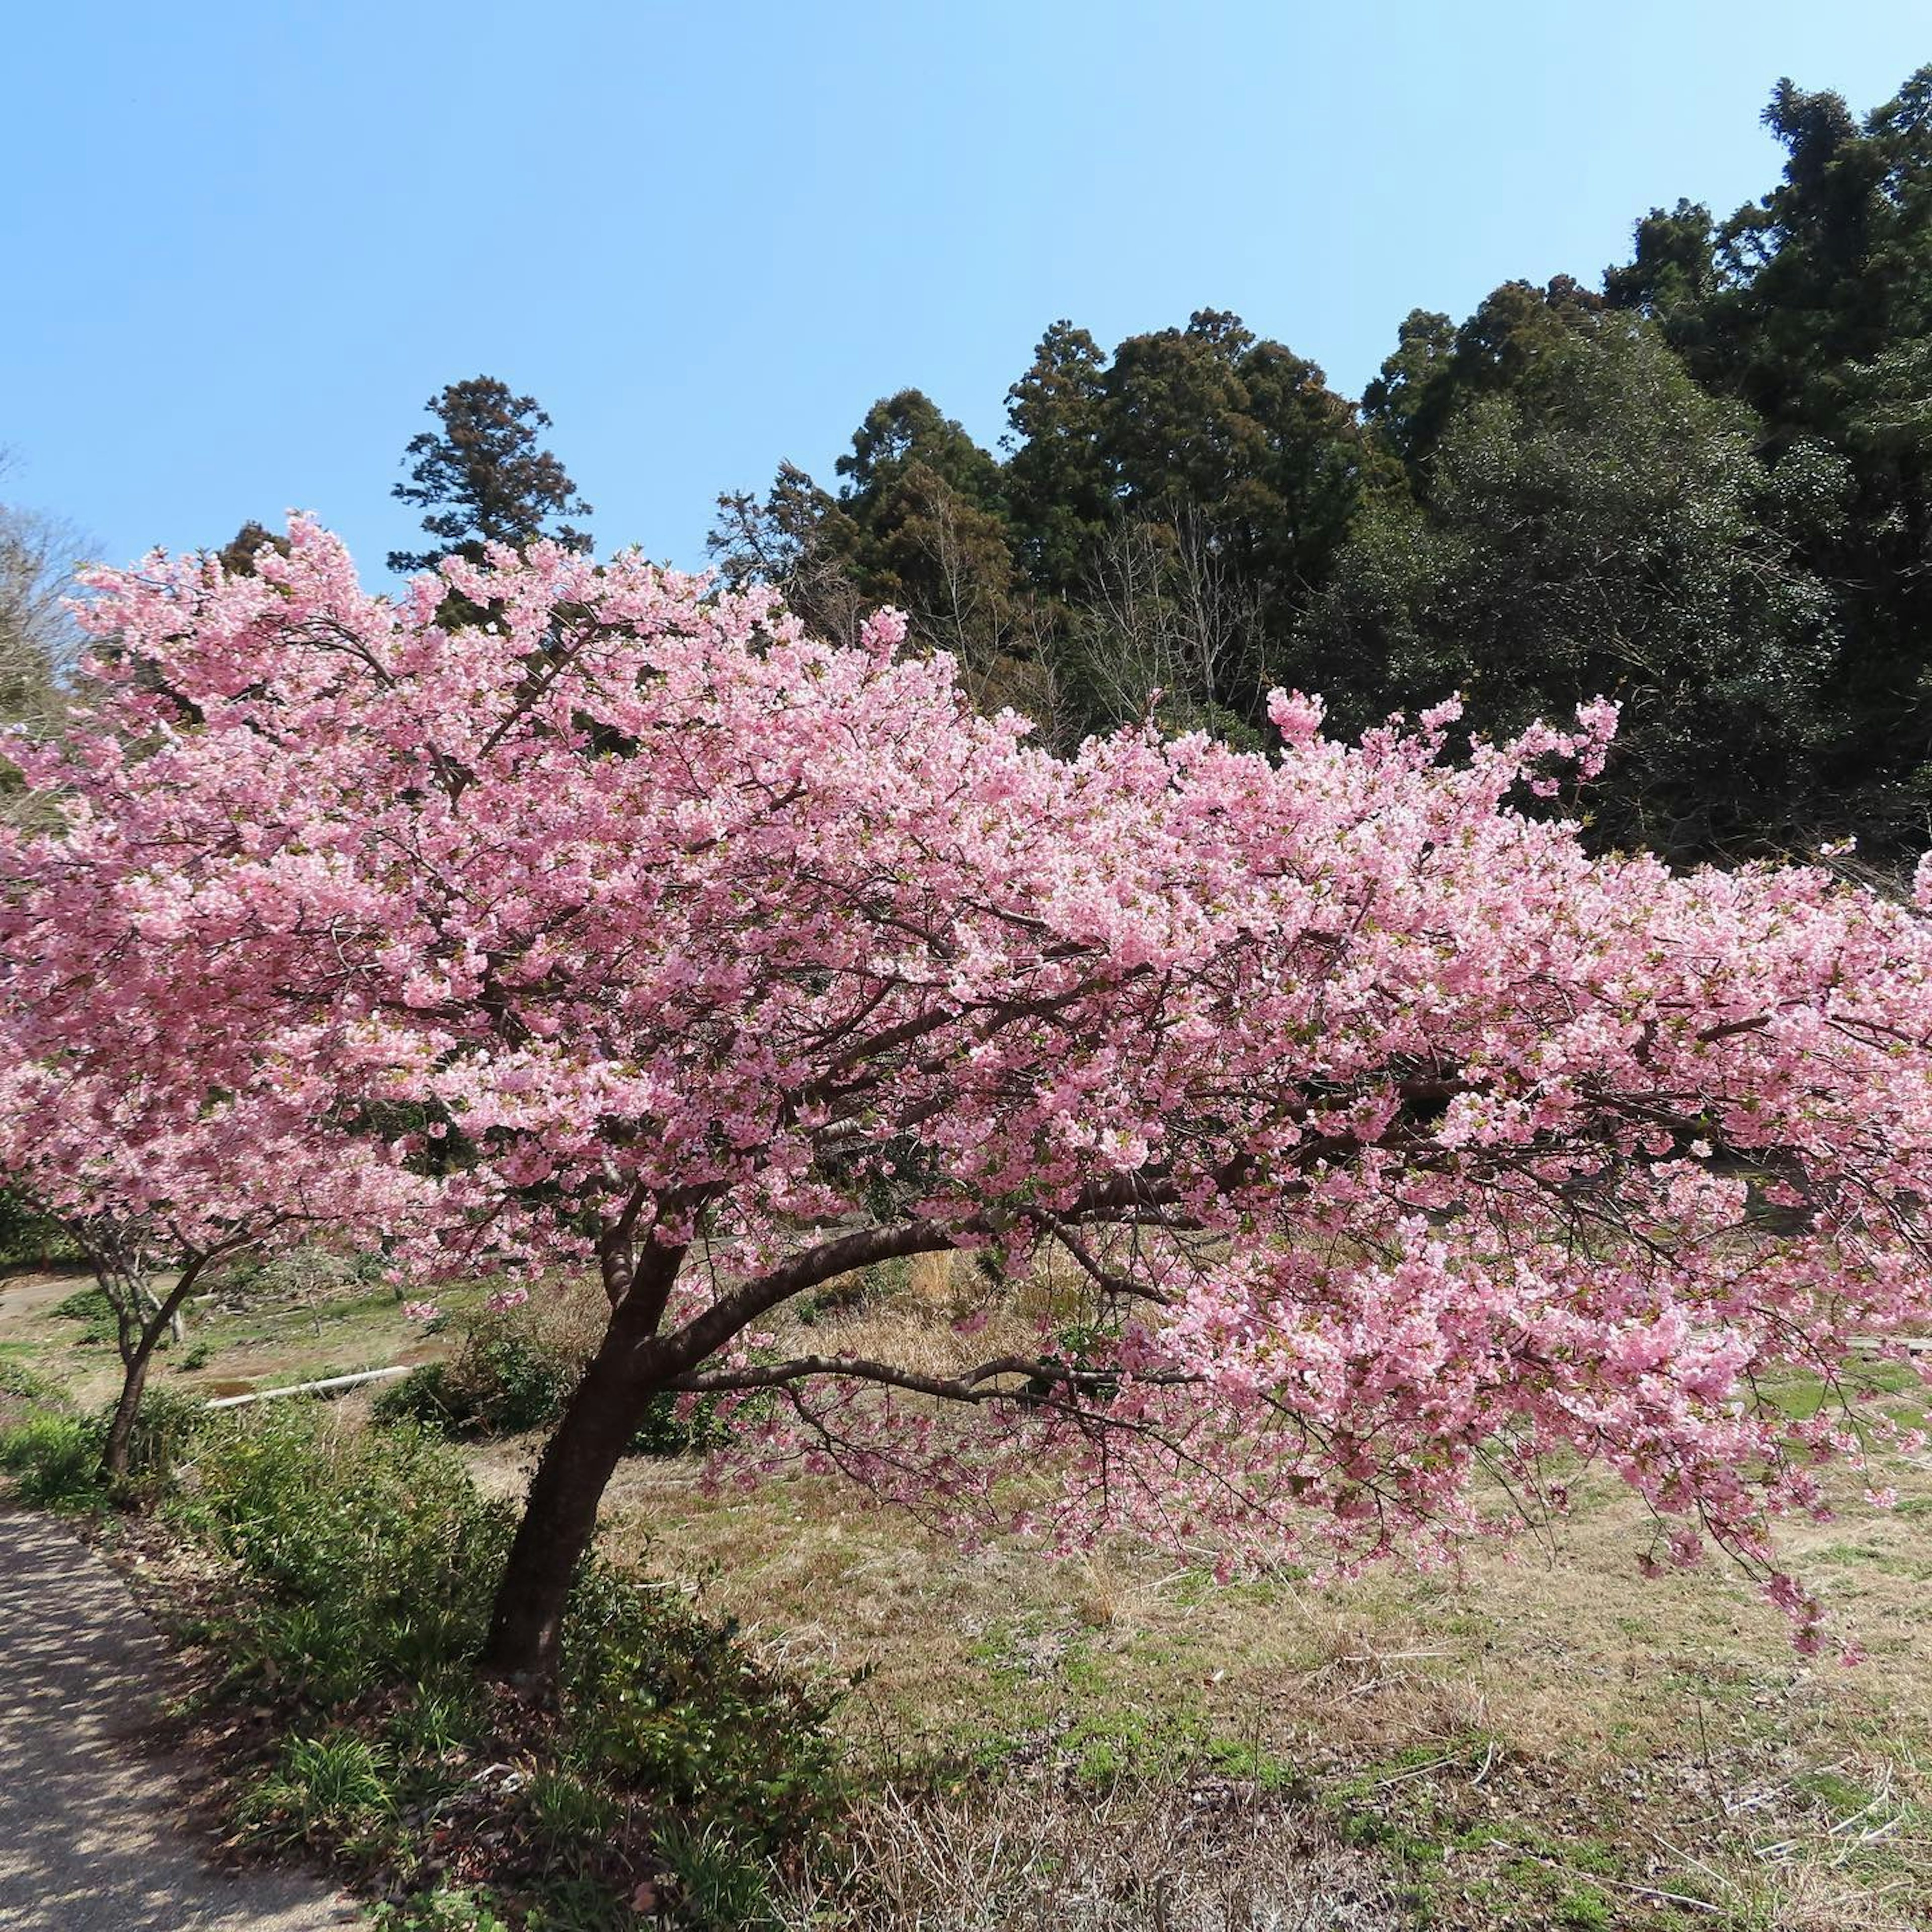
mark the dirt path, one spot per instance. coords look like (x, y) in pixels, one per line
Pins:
(91, 1836)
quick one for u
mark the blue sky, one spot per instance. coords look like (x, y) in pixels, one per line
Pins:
(247, 242)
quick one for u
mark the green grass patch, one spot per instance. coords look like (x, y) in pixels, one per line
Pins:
(55, 1462)
(90, 1308)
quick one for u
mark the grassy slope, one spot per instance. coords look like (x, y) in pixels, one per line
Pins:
(1547, 1740)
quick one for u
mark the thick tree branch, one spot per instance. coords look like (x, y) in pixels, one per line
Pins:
(972, 1385)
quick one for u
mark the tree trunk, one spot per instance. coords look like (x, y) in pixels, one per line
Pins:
(524, 1646)
(134, 1377)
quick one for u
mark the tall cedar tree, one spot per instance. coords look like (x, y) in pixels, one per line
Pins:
(1720, 507)
(483, 479)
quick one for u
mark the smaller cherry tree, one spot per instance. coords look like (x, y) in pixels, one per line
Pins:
(156, 1187)
(1405, 1160)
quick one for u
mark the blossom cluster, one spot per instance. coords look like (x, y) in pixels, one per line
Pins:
(1412, 1155)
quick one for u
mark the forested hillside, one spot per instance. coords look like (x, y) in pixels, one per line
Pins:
(1701, 487)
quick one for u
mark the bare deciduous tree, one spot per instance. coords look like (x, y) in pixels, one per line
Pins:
(39, 641)
(1166, 612)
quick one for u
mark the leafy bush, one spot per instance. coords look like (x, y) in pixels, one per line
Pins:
(441, 1911)
(166, 1428)
(365, 1562)
(370, 1556)
(55, 1459)
(28, 1237)
(664, 1699)
(684, 1425)
(511, 1375)
(422, 1398)
(506, 1379)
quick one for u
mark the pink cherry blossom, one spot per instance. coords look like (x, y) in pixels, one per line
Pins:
(1408, 1158)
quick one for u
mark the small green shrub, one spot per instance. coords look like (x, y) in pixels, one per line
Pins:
(421, 1399)
(55, 1458)
(566, 1812)
(365, 1563)
(509, 1377)
(25, 1392)
(504, 1380)
(441, 1911)
(662, 1698)
(20, 1378)
(166, 1427)
(372, 1555)
(323, 1791)
(687, 1425)
(29, 1238)
(721, 1881)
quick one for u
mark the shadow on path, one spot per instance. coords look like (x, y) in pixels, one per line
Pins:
(91, 1837)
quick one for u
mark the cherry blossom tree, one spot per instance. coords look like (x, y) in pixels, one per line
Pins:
(1408, 1160)
(157, 1181)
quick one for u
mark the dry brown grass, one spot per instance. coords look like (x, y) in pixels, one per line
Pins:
(1525, 1742)
(1536, 1738)
(1205, 1856)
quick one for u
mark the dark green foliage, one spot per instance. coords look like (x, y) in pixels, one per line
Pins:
(1062, 499)
(363, 1567)
(1242, 434)
(483, 479)
(29, 1238)
(1706, 490)
(1161, 519)
(237, 555)
(507, 1377)
(503, 1380)
(1813, 308)
(1582, 519)
(688, 1425)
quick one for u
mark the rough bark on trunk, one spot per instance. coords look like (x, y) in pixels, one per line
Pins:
(121, 1429)
(559, 1518)
(524, 1647)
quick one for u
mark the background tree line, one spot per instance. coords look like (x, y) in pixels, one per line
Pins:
(1701, 487)
(1704, 487)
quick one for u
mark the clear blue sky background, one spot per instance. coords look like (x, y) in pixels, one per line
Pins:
(245, 243)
